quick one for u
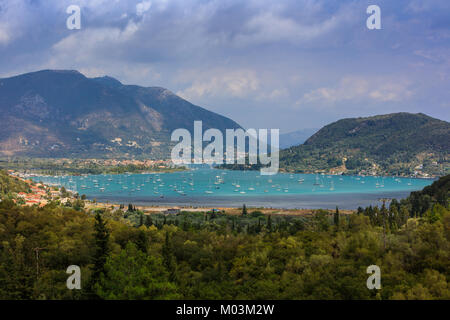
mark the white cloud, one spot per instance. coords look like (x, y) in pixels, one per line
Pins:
(436, 55)
(143, 7)
(240, 83)
(93, 42)
(4, 35)
(223, 83)
(269, 27)
(13, 18)
(357, 89)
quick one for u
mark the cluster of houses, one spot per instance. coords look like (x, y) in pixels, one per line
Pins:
(145, 163)
(39, 194)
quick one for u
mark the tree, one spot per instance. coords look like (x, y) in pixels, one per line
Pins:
(336, 218)
(141, 219)
(147, 279)
(101, 237)
(142, 241)
(269, 223)
(168, 257)
(383, 213)
(148, 221)
(244, 210)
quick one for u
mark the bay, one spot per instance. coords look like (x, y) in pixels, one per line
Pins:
(226, 188)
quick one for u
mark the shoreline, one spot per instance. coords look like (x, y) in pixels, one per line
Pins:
(25, 175)
(161, 209)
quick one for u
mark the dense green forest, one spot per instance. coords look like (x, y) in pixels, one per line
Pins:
(129, 255)
(392, 144)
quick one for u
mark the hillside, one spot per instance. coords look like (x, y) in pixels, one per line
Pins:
(398, 143)
(62, 113)
(437, 192)
(10, 184)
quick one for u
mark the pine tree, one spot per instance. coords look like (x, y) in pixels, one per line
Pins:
(148, 221)
(142, 241)
(244, 210)
(101, 237)
(269, 223)
(336, 217)
(383, 214)
(168, 257)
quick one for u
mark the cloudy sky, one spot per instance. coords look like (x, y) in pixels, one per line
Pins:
(266, 64)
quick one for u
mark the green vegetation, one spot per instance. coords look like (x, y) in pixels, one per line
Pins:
(191, 255)
(393, 144)
(9, 185)
(77, 167)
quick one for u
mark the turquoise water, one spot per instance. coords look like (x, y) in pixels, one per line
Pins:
(212, 187)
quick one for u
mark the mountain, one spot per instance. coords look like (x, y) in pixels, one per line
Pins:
(62, 113)
(398, 143)
(295, 138)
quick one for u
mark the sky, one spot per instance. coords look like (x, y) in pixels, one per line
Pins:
(290, 65)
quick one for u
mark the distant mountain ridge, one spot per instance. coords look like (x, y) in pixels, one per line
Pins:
(62, 113)
(295, 138)
(398, 143)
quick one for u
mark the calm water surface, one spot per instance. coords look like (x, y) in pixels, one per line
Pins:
(212, 187)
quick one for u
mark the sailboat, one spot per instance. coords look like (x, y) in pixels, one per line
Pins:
(317, 181)
(332, 186)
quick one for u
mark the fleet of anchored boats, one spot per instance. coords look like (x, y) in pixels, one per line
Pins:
(207, 182)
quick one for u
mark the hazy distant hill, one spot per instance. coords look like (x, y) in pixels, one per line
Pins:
(295, 138)
(393, 143)
(65, 114)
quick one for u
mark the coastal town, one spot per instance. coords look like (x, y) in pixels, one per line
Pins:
(40, 194)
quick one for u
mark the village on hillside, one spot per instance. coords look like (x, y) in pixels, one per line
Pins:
(40, 194)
